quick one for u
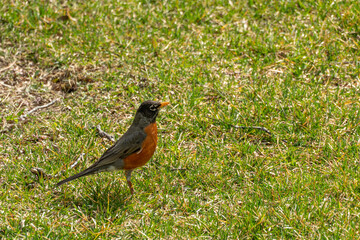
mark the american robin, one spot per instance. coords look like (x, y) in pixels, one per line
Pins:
(133, 149)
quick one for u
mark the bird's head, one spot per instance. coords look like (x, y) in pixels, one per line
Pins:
(149, 110)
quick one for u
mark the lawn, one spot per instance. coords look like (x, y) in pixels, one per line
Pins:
(291, 67)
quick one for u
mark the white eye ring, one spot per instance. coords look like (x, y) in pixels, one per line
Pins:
(153, 108)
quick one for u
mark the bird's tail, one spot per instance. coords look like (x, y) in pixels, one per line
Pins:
(86, 172)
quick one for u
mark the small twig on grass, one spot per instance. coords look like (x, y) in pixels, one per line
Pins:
(9, 66)
(104, 134)
(81, 157)
(5, 85)
(40, 173)
(22, 117)
(248, 127)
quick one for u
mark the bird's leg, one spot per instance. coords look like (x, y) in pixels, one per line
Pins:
(128, 179)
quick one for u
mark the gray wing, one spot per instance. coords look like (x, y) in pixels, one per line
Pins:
(128, 144)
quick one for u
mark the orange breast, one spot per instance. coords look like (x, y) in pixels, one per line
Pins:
(148, 148)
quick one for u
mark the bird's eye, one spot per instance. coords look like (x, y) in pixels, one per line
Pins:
(153, 108)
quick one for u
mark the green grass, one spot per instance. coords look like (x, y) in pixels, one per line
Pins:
(289, 66)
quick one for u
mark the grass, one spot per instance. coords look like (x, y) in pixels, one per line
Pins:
(289, 66)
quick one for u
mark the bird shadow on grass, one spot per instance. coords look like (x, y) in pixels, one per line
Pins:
(106, 197)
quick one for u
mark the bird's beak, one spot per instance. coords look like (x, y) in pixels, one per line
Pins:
(163, 104)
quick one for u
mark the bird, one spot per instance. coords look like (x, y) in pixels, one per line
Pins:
(133, 149)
